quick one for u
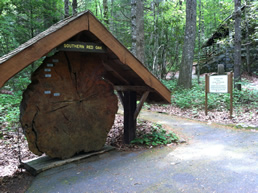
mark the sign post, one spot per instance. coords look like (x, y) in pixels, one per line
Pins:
(218, 84)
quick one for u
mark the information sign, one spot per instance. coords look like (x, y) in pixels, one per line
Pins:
(218, 84)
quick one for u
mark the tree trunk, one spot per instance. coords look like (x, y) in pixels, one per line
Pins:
(105, 7)
(74, 7)
(96, 8)
(68, 107)
(185, 73)
(247, 42)
(137, 26)
(156, 46)
(134, 24)
(66, 8)
(237, 49)
(111, 26)
(199, 41)
(140, 30)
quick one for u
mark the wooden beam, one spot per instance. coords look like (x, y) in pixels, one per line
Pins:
(133, 88)
(129, 120)
(109, 68)
(139, 106)
(40, 164)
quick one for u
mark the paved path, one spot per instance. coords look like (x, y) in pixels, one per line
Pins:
(216, 159)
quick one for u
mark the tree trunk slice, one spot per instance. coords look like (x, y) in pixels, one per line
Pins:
(68, 107)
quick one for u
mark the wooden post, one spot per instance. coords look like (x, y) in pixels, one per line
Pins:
(230, 90)
(129, 120)
(206, 93)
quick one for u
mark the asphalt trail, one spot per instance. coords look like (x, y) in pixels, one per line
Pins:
(214, 159)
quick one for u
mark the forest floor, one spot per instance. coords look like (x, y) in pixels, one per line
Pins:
(243, 116)
(13, 144)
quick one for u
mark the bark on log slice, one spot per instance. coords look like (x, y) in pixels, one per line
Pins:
(68, 107)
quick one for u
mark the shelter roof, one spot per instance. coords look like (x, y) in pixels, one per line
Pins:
(124, 70)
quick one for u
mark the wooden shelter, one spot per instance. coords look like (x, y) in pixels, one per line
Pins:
(81, 44)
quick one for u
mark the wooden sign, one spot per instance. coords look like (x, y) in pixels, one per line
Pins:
(82, 47)
(219, 84)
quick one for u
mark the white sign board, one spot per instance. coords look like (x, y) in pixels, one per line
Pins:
(218, 84)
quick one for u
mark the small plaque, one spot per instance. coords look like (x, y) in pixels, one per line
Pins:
(50, 65)
(47, 70)
(82, 47)
(55, 60)
(47, 92)
(57, 94)
(48, 75)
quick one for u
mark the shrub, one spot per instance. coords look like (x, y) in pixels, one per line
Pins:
(157, 136)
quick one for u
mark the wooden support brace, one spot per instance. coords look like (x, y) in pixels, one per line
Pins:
(121, 97)
(133, 88)
(139, 107)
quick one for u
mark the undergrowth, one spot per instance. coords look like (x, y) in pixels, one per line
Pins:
(9, 109)
(10, 103)
(195, 97)
(156, 136)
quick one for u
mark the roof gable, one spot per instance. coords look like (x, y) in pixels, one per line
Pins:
(122, 65)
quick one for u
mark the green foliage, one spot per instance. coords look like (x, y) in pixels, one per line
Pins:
(164, 23)
(246, 97)
(195, 97)
(214, 12)
(21, 20)
(9, 109)
(9, 103)
(157, 136)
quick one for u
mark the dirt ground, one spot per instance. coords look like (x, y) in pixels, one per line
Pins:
(14, 146)
(246, 117)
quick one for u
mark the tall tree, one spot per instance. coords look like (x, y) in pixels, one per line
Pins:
(105, 8)
(185, 72)
(237, 48)
(247, 40)
(74, 7)
(66, 8)
(199, 41)
(137, 22)
(133, 23)
(111, 25)
(140, 30)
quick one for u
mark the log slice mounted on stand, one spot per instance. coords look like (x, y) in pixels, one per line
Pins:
(68, 107)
